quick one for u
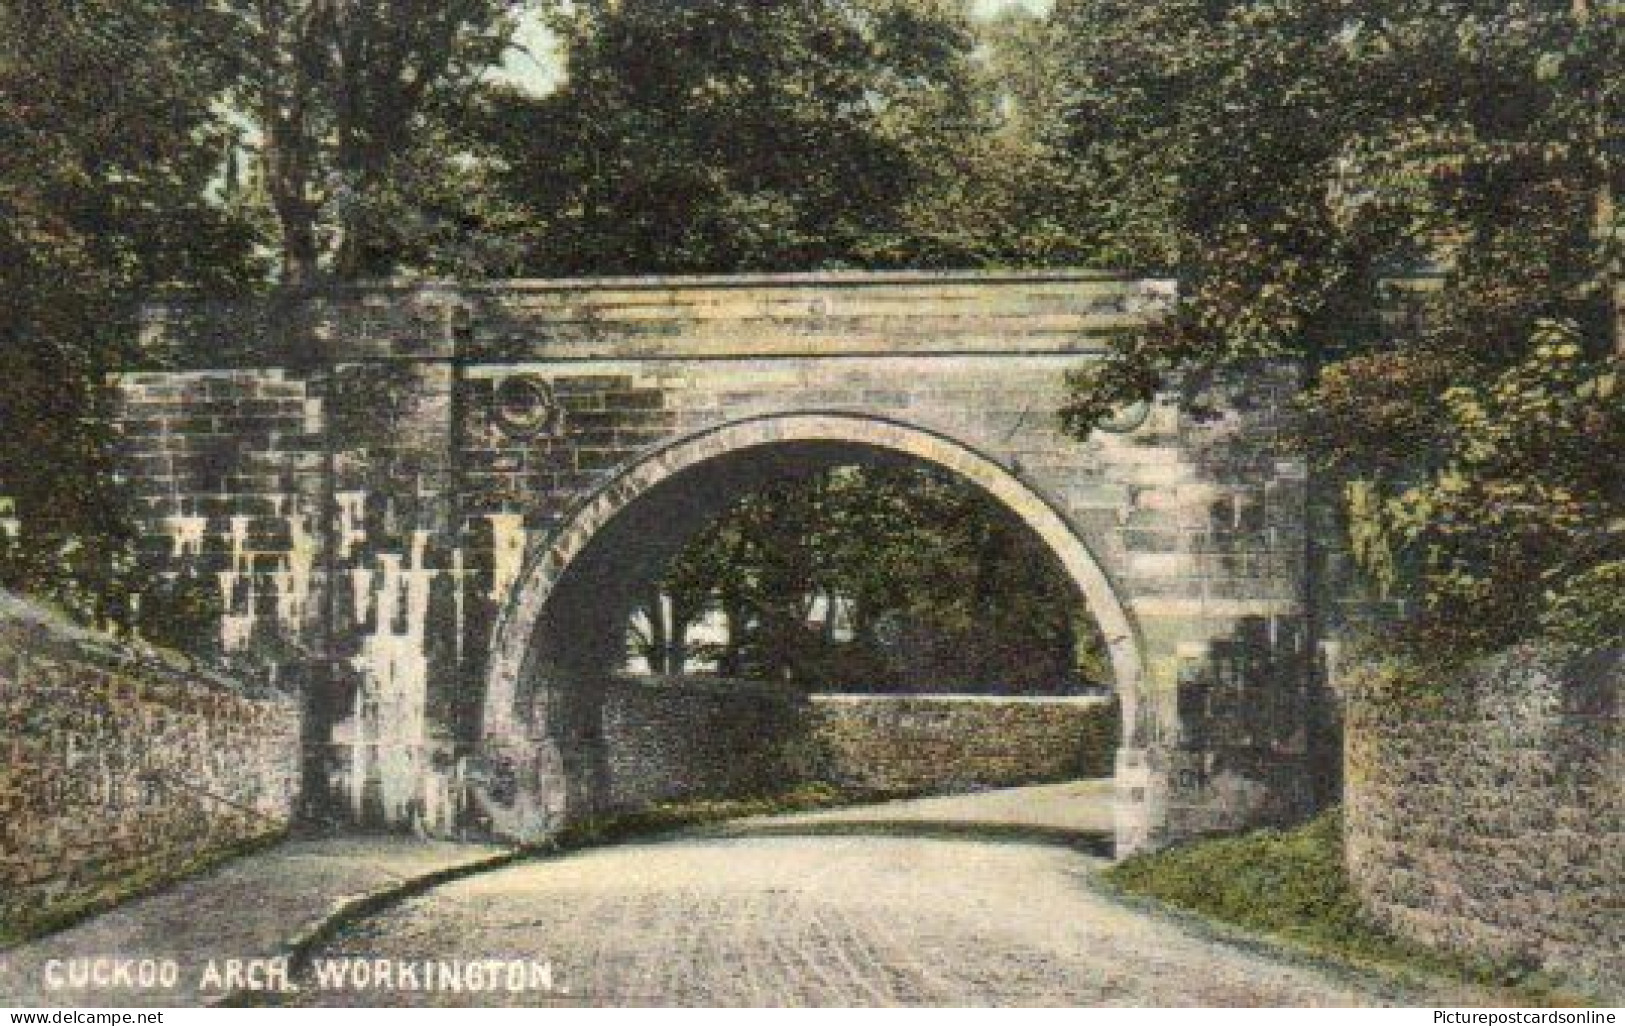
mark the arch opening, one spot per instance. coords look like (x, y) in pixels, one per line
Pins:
(568, 621)
(885, 577)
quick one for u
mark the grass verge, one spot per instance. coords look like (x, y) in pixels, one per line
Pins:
(1292, 886)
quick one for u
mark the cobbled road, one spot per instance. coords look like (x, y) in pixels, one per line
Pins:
(827, 920)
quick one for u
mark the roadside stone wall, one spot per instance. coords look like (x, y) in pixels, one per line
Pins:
(120, 769)
(670, 739)
(907, 743)
(675, 739)
(1490, 821)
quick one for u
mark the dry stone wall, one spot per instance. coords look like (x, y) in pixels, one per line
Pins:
(675, 739)
(934, 743)
(121, 768)
(1490, 819)
(670, 739)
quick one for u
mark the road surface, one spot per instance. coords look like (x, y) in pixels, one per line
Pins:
(819, 920)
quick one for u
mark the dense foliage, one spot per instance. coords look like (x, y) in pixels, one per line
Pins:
(1288, 159)
(109, 142)
(346, 103)
(876, 578)
(152, 144)
(723, 135)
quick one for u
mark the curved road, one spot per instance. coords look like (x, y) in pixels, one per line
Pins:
(827, 920)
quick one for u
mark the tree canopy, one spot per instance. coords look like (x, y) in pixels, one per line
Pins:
(347, 102)
(877, 578)
(110, 142)
(1290, 160)
(731, 135)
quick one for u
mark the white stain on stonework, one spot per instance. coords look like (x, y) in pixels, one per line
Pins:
(507, 553)
(361, 593)
(352, 510)
(10, 526)
(440, 801)
(291, 585)
(185, 535)
(391, 703)
(293, 582)
(460, 577)
(237, 618)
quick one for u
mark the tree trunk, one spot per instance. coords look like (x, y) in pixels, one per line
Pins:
(733, 616)
(301, 260)
(682, 616)
(280, 93)
(654, 612)
(288, 182)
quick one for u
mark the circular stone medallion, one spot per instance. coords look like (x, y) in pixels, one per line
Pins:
(524, 406)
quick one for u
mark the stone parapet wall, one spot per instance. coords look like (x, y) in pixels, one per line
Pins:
(121, 769)
(683, 738)
(907, 743)
(805, 314)
(1490, 820)
(676, 739)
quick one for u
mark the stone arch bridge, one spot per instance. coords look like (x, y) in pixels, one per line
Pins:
(429, 506)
